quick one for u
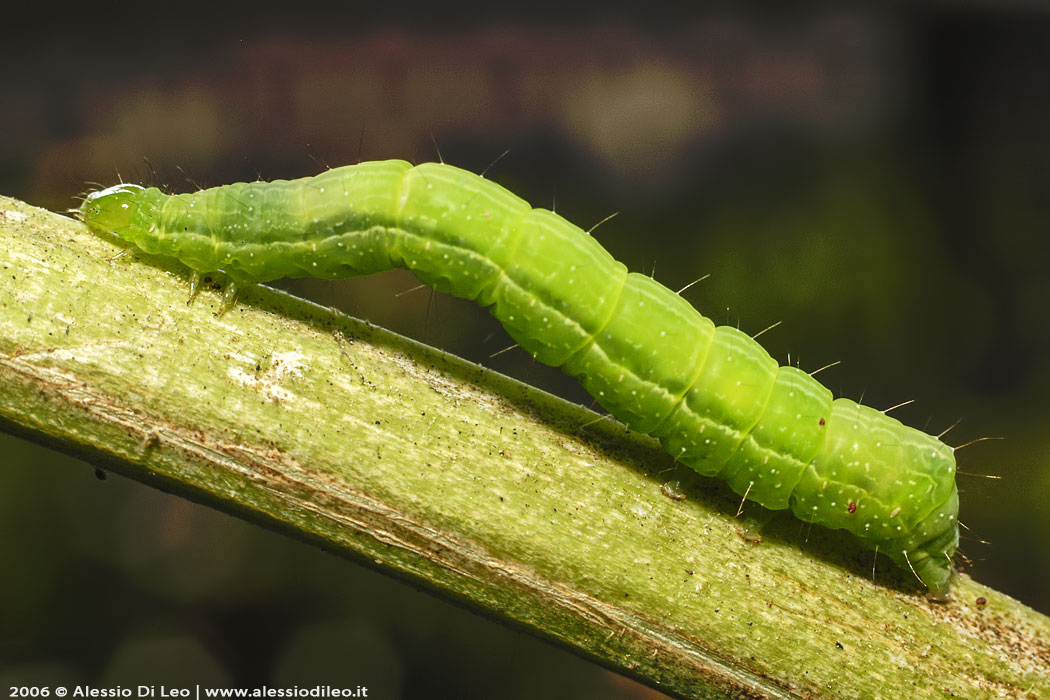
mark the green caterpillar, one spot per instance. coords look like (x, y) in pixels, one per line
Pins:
(711, 395)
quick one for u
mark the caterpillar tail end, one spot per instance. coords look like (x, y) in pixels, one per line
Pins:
(932, 568)
(929, 551)
(937, 575)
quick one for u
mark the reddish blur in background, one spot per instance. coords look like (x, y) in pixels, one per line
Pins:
(878, 179)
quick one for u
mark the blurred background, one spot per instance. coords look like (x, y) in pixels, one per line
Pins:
(875, 177)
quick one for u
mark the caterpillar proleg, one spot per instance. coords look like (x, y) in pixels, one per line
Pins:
(711, 395)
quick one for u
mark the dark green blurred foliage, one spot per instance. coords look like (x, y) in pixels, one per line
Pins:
(875, 179)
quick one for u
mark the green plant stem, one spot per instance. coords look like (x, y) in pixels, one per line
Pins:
(469, 484)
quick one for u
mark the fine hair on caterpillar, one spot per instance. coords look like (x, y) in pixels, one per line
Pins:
(711, 395)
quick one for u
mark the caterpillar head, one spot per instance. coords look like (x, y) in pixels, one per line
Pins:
(111, 210)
